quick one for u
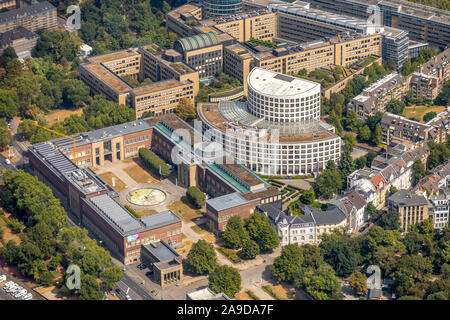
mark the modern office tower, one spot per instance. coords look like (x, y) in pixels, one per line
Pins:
(278, 132)
(217, 8)
(202, 52)
(395, 46)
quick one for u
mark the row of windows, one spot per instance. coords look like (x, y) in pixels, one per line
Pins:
(137, 139)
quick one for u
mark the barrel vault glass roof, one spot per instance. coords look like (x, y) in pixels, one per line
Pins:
(199, 41)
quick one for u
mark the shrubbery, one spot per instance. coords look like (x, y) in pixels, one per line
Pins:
(153, 162)
(196, 197)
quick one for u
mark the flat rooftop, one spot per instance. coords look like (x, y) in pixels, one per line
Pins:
(160, 219)
(156, 86)
(113, 212)
(161, 251)
(108, 77)
(107, 57)
(227, 201)
(272, 83)
(186, 8)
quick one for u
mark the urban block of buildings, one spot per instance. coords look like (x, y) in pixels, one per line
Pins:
(278, 131)
(374, 98)
(398, 129)
(172, 79)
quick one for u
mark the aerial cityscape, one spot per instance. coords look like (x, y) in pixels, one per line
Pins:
(224, 150)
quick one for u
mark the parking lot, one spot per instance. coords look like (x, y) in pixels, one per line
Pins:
(12, 290)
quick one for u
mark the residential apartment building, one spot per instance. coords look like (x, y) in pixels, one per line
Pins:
(36, 16)
(430, 78)
(306, 228)
(412, 208)
(21, 39)
(439, 209)
(393, 169)
(172, 79)
(423, 23)
(8, 4)
(375, 98)
(203, 53)
(398, 129)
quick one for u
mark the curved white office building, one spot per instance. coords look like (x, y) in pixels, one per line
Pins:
(278, 131)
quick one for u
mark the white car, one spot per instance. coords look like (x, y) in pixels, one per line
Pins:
(7, 161)
(21, 294)
(2, 278)
(28, 296)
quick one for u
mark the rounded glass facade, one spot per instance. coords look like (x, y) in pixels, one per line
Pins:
(217, 8)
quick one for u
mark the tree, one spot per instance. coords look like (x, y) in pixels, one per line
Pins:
(249, 250)
(429, 115)
(330, 181)
(395, 107)
(364, 133)
(419, 169)
(260, 231)
(235, 234)
(186, 110)
(202, 258)
(9, 103)
(389, 221)
(75, 92)
(43, 237)
(376, 136)
(346, 165)
(312, 256)
(358, 283)
(413, 242)
(350, 141)
(225, 279)
(110, 276)
(339, 254)
(5, 135)
(9, 53)
(308, 197)
(196, 197)
(288, 264)
(390, 65)
(90, 289)
(371, 210)
(321, 284)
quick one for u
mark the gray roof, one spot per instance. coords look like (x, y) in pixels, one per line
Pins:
(227, 201)
(161, 251)
(160, 219)
(121, 219)
(7, 38)
(37, 8)
(333, 215)
(408, 198)
(104, 133)
(54, 157)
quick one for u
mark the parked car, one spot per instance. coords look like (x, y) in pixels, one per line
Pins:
(7, 161)
(2, 278)
(129, 298)
(28, 296)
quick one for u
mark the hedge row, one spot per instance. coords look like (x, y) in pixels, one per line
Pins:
(153, 162)
(195, 196)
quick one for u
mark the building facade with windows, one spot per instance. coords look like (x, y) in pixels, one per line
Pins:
(218, 8)
(278, 132)
(412, 208)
